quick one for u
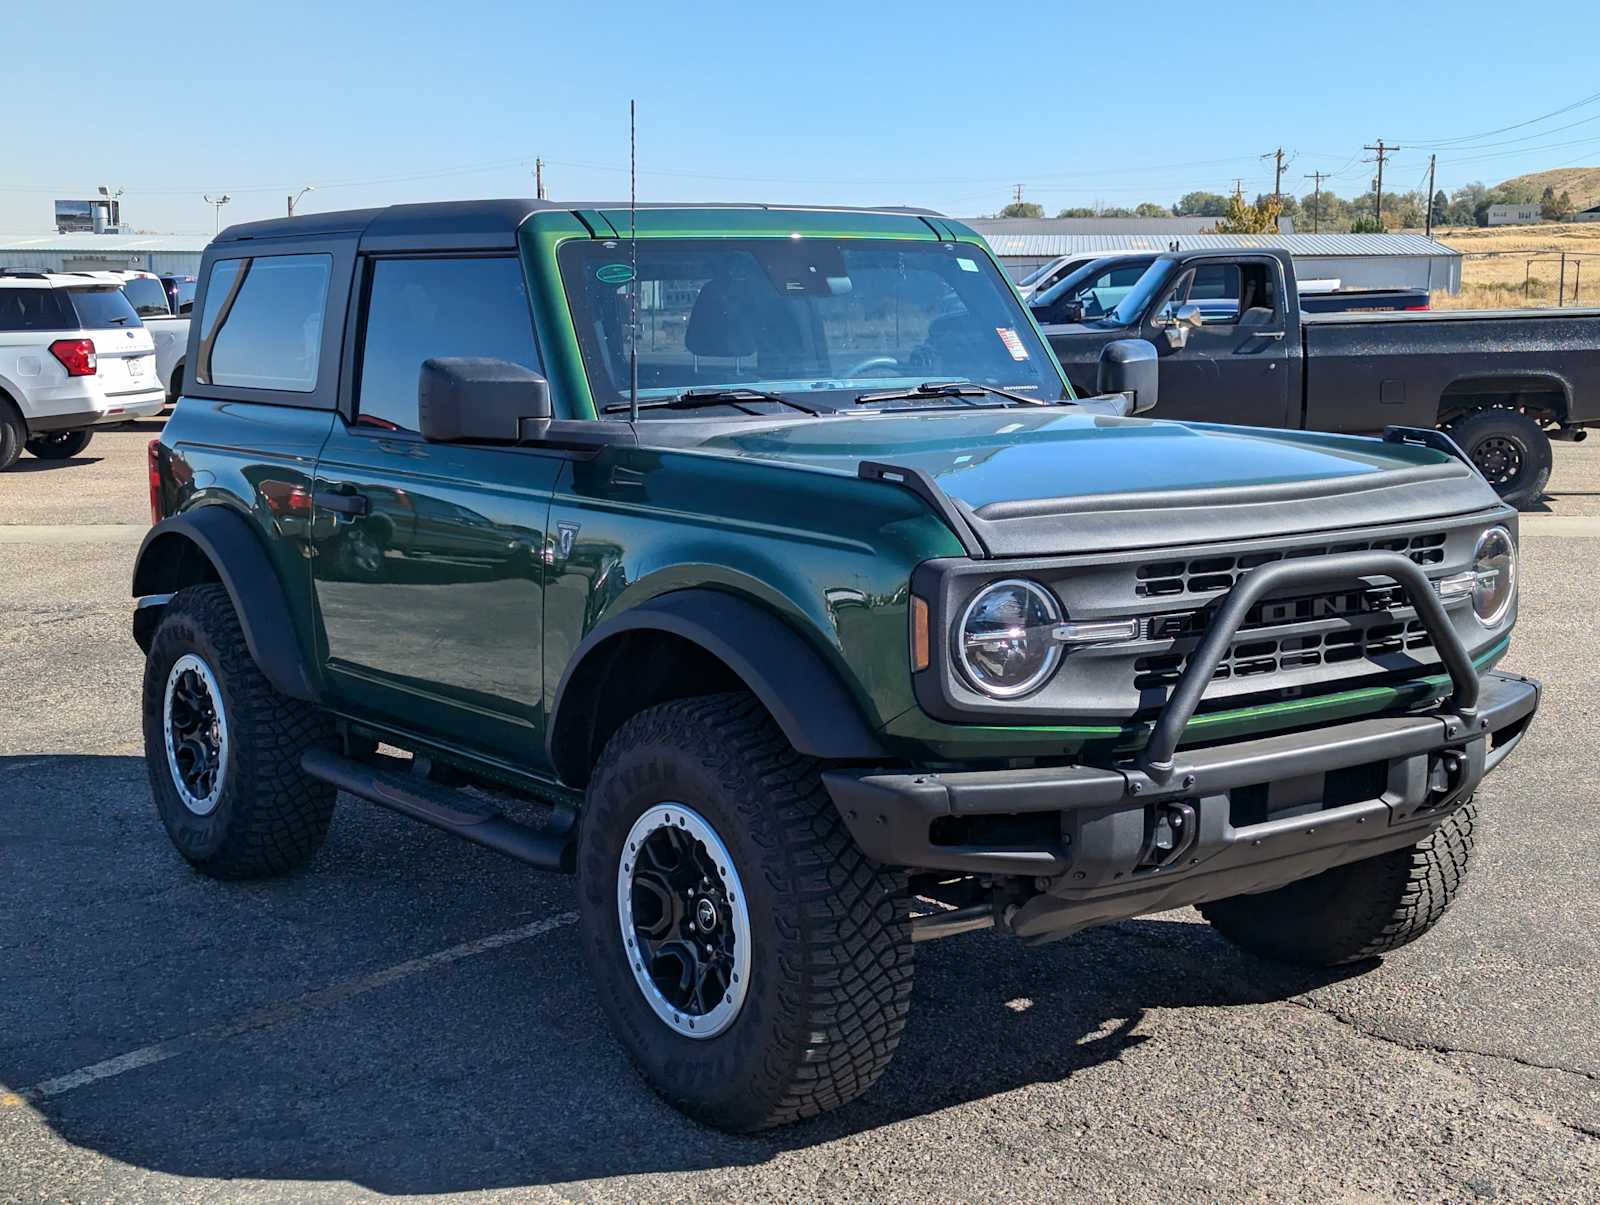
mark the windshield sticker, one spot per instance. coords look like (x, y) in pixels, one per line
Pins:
(613, 274)
(967, 265)
(1012, 342)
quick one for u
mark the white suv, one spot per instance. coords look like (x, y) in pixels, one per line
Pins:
(148, 296)
(73, 356)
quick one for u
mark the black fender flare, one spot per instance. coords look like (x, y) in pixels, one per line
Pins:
(240, 561)
(801, 692)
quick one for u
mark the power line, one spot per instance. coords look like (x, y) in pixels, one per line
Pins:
(1426, 143)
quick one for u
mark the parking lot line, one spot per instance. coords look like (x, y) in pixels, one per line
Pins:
(1561, 525)
(159, 1052)
(72, 533)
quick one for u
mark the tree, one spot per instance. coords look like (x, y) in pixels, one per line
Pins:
(1549, 207)
(1149, 209)
(1439, 211)
(1077, 211)
(1367, 224)
(1022, 209)
(1201, 204)
(1245, 218)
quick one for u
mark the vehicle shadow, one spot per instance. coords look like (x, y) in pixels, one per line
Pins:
(33, 464)
(490, 1071)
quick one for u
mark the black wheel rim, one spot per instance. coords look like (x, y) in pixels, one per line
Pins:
(196, 732)
(1499, 458)
(684, 920)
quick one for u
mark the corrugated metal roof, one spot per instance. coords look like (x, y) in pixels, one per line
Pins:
(1188, 225)
(1048, 246)
(110, 244)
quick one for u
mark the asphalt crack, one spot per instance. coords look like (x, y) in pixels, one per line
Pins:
(1577, 1127)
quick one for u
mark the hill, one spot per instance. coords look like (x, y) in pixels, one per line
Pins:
(1583, 183)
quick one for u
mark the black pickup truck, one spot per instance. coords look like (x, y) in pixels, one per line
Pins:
(1502, 383)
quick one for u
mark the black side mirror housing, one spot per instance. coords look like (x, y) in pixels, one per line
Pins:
(475, 399)
(1132, 368)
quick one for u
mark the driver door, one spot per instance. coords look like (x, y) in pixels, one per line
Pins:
(1235, 366)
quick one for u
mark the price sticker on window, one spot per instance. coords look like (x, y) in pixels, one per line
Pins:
(1013, 343)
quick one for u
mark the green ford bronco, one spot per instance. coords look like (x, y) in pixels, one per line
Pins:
(762, 569)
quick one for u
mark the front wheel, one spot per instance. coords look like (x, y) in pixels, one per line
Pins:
(1356, 911)
(59, 445)
(1510, 449)
(754, 962)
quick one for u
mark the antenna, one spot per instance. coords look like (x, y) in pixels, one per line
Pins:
(633, 261)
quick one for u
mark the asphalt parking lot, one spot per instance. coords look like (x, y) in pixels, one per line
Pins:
(408, 1017)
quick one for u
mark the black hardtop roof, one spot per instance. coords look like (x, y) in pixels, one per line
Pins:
(494, 221)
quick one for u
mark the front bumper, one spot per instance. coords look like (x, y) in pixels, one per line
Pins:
(1108, 842)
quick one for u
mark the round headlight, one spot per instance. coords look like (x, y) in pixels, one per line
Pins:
(1494, 571)
(1003, 642)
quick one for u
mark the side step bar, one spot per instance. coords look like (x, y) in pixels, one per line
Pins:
(443, 808)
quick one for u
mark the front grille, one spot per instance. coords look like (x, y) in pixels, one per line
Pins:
(1214, 574)
(1253, 658)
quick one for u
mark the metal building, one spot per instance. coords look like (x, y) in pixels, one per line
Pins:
(176, 254)
(1357, 261)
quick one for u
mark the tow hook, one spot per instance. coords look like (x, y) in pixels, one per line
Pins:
(1447, 775)
(1170, 830)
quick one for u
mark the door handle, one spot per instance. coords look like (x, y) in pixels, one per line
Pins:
(341, 502)
(1269, 334)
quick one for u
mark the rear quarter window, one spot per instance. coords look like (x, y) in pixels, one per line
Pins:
(103, 309)
(34, 310)
(263, 322)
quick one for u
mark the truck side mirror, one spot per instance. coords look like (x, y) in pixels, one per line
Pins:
(474, 399)
(1130, 367)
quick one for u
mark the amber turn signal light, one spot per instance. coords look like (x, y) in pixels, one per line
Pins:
(919, 634)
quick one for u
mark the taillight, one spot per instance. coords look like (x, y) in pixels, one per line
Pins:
(153, 453)
(1416, 309)
(76, 356)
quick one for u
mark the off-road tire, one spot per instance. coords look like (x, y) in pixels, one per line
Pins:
(270, 816)
(1481, 430)
(831, 970)
(13, 433)
(59, 445)
(1357, 911)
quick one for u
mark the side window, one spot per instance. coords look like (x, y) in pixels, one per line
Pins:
(421, 308)
(1216, 291)
(33, 310)
(263, 322)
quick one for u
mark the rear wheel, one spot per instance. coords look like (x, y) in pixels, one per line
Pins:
(1356, 911)
(13, 434)
(756, 965)
(223, 747)
(59, 445)
(1510, 449)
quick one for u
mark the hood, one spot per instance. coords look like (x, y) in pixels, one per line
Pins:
(1058, 480)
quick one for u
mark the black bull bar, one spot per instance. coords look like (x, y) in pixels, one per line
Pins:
(1342, 568)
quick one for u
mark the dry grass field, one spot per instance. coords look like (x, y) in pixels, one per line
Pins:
(1512, 267)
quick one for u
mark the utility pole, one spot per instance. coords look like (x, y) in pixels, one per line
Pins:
(1377, 197)
(1316, 197)
(1429, 229)
(1277, 173)
(1016, 194)
(538, 178)
(295, 200)
(1238, 191)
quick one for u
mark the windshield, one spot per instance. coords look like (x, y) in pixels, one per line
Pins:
(823, 319)
(1037, 272)
(99, 309)
(148, 297)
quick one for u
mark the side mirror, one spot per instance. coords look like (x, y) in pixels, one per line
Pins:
(1130, 367)
(473, 399)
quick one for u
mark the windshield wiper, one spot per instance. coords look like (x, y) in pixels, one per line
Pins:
(695, 399)
(961, 390)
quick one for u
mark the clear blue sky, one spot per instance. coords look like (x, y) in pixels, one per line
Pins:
(868, 102)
